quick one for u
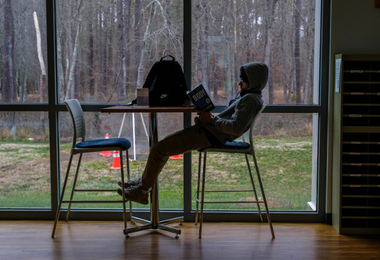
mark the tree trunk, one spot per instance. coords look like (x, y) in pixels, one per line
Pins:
(268, 93)
(110, 58)
(60, 69)
(100, 55)
(309, 54)
(137, 36)
(24, 89)
(91, 83)
(120, 52)
(168, 25)
(205, 65)
(234, 60)
(297, 31)
(40, 56)
(9, 83)
(127, 60)
(284, 65)
(70, 88)
(140, 75)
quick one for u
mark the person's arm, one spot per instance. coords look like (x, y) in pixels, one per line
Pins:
(240, 120)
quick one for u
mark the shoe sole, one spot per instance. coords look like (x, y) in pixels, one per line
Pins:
(131, 199)
(138, 201)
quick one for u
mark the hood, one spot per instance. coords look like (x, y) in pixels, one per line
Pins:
(257, 74)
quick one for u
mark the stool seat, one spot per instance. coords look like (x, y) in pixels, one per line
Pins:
(236, 145)
(122, 143)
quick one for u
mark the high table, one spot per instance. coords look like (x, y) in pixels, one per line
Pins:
(154, 222)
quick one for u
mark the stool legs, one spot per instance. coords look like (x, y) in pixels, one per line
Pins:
(63, 193)
(203, 193)
(199, 175)
(254, 187)
(197, 216)
(129, 178)
(73, 190)
(74, 184)
(122, 190)
(264, 198)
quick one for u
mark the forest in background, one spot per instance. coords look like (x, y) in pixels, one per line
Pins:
(105, 48)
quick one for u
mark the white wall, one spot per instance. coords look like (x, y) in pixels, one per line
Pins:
(355, 29)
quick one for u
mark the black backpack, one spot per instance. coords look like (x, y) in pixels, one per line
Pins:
(166, 83)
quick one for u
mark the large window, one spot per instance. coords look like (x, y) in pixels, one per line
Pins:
(106, 48)
(278, 33)
(100, 52)
(24, 160)
(23, 67)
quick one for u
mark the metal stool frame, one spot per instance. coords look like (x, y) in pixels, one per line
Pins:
(225, 149)
(76, 113)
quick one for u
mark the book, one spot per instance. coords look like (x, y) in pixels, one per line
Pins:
(201, 98)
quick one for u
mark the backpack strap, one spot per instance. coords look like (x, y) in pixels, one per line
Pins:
(173, 59)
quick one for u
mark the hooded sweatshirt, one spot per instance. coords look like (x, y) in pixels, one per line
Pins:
(235, 120)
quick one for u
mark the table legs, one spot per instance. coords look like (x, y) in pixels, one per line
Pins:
(154, 222)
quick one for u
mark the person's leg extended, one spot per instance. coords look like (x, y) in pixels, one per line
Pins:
(189, 139)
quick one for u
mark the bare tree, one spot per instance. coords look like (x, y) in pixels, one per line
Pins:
(120, 51)
(127, 52)
(9, 94)
(137, 35)
(297, 32)
(40, 55)
(72, 65)
(309, 23)
(91, 84)
(269, 16)
(143, 55)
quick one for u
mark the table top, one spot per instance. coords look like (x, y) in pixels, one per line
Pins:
(147, 109)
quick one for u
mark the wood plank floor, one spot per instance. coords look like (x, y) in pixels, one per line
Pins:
(105, 240)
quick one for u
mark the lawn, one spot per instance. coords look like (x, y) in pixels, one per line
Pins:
(285, 164)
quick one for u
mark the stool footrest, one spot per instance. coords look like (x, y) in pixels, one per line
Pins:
(239, 201)
(228, 191)
(252, 201)
(94, 190)
(94, 201)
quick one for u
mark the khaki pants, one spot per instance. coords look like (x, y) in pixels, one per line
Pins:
(186, 140)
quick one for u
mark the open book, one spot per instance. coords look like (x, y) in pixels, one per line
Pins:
(201, 98)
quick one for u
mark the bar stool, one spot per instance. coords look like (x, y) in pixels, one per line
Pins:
(98, 145)
(231, 147)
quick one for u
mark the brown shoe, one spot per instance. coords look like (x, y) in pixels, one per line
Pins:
(130, 183)
(135, 193)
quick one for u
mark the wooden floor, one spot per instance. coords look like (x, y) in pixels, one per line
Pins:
(105, 240)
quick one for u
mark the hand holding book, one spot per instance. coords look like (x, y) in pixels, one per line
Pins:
(201, 99)
(205, 117)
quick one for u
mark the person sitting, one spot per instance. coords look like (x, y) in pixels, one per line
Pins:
(207, 131)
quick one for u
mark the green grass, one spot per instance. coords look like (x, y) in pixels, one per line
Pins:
(285, 164)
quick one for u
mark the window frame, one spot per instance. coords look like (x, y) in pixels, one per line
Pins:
(53, 108)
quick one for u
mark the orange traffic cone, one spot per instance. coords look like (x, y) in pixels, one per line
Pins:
(106, 153)
(116, 160)
(176, 157)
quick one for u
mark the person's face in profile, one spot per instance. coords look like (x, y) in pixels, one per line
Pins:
(243, 85)
(243, 80)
